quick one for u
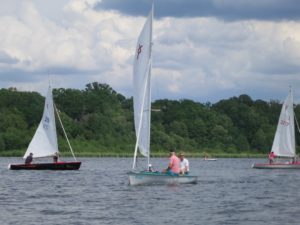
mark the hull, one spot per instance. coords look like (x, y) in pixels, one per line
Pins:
(146, 178)
(46, 166)
(277, 165)
(210, 159)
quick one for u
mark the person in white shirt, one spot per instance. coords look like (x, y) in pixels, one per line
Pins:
(184, 164)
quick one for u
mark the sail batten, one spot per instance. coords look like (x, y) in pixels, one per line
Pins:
(284, 140)
(44, 141)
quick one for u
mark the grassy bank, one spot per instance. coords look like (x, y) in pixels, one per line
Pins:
(118, 153)
(94, 149)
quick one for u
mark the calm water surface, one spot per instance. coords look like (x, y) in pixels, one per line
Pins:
(228, 192)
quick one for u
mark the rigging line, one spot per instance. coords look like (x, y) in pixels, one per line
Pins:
(297, 123)
(62, 126)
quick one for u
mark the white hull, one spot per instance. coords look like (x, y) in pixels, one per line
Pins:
(210, 159)
(276, 165)
(146, 178)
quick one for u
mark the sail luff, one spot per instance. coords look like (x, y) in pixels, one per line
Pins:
(284, 140)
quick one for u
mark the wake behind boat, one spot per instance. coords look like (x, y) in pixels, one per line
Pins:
(44, 143)
(284, 140)
(142, 112)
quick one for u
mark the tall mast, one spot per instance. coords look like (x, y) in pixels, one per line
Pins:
(150, 70)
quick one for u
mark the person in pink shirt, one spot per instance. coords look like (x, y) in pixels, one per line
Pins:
(271, 157)
(174, 164)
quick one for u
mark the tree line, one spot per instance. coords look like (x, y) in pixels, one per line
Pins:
(100, 119)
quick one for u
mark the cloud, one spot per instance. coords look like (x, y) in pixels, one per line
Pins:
(7, 59)
(85, 45)
(222, 59)
(225, 10)
(203, 58)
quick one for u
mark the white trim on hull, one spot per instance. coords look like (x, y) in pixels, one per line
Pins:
(145, 178)
(276, 166)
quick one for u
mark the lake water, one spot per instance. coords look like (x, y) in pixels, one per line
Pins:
(228, 192)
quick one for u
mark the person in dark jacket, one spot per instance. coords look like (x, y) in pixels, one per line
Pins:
(28, 159)
(55, 158)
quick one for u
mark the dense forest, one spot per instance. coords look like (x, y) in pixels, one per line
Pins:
(100, 120)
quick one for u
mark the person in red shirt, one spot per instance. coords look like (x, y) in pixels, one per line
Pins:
(174, 164)
(271, 157)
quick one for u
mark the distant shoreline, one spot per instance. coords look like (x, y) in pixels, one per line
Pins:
(20, 153)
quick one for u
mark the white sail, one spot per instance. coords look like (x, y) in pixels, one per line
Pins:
(142, 88)
(44, 141)
(284, 141)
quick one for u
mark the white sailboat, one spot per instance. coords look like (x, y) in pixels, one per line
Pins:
(44, 142)
(284, 140)
(142, 111)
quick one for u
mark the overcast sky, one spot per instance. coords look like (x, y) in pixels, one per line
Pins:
(205, 50)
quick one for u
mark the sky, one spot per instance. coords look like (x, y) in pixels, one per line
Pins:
(204, 50)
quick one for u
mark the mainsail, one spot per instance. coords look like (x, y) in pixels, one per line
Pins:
(44, 141)
(142, 89)
(284, 141)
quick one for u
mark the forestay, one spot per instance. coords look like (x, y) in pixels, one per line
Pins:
(284, 141)
(142, 88)
(44, 141)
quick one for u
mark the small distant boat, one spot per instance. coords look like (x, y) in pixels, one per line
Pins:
(284, 140)
(44, 142)
(210, 159)
(142, 113)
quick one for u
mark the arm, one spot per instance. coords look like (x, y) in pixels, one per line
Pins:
(170, 164)
(187, 165)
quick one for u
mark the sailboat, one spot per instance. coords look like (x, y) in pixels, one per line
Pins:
(209, 159)
(44, 142)
(284, 140)
(142, 113)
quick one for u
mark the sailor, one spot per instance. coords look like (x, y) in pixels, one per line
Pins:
(184, 164)
(150, 168)
(174, 164)
(28, 159)
(271, 157)
(55, 157)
